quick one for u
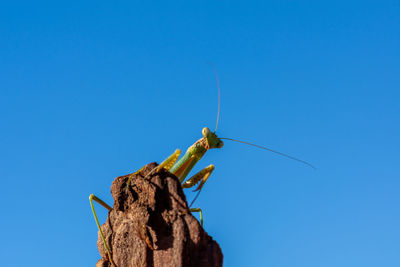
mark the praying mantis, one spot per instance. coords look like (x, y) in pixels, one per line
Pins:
(181, 168)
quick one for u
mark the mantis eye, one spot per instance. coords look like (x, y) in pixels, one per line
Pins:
(205, 131)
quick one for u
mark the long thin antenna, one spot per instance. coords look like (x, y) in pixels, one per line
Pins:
(219, 93)
(277, 152)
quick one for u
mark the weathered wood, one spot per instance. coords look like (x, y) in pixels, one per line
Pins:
(150, 226)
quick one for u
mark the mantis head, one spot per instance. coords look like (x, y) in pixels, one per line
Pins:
(212, 139)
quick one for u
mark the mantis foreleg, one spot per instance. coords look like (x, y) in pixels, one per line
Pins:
(201, 175)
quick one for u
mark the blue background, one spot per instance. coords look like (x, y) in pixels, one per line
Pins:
(91, 90)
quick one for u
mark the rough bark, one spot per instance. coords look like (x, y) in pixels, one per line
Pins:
(150, 225)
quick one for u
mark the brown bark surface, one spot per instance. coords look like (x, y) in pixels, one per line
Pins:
(150, 225)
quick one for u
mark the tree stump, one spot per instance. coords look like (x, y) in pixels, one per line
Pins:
(150, 225)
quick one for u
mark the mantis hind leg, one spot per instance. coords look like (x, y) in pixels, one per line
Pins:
(101, 202)
(128, 183)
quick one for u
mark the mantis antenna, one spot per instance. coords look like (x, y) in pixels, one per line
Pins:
(219, 93)
(247, 143)
(274, 151)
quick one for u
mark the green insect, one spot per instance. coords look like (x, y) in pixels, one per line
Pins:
(182, 167)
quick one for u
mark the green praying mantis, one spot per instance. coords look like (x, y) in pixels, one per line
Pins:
(181, 168)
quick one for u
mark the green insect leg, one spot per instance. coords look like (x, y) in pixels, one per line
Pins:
(200, 212)
(101, 202)
(199, 178)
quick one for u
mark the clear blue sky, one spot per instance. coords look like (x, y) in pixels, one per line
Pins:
(91, 90)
